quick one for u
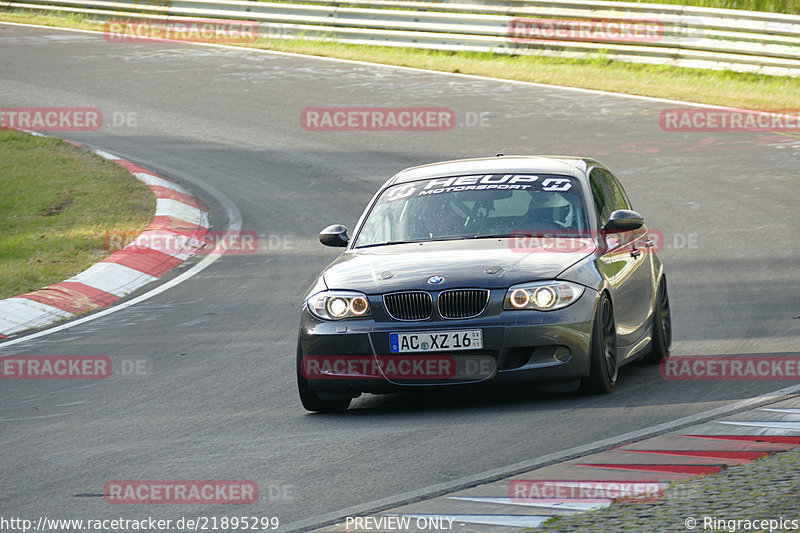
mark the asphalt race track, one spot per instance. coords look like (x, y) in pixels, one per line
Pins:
(219, 399)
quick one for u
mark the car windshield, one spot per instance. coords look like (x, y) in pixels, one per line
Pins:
(476, 206)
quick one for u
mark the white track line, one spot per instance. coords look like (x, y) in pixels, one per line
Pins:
(234, 225)
(789, 426)
(409, 69)
(474, 479)
(508, 520)
(480, 478)
(555, 504)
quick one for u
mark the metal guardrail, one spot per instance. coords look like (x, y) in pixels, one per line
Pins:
(679, 35)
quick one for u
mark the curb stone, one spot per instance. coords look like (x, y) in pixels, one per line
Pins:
(179, 216)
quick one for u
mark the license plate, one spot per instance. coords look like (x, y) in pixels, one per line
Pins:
(436, 341)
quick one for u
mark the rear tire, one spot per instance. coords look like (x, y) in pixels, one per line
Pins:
(309, 397)
(662, 327)
(603, 369)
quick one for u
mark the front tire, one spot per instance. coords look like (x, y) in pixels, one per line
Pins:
(662, 328)
(603, 368)
(309, 397)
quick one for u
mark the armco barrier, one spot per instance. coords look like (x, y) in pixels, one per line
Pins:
(688, 36)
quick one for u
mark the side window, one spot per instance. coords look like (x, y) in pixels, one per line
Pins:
(615, 190)
(602, 202)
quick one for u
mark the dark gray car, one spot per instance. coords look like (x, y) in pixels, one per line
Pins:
(491, 269)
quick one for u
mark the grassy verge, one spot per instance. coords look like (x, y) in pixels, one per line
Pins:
(57, 202)
(774, 6)
(752, 91)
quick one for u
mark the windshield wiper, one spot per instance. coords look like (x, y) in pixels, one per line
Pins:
(387, 243)
(435, 239)
(496, 236)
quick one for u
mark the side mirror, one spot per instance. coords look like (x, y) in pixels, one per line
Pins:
(624, 220)
(335, 235)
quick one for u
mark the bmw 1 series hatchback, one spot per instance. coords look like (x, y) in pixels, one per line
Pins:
(494, 269)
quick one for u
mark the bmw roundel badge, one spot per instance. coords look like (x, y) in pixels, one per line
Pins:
(435, 279)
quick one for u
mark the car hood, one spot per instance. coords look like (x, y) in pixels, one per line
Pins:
(491, 263)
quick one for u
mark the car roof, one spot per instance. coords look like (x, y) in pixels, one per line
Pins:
(537, 164)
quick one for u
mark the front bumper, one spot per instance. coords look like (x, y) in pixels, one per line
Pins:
(525, 345)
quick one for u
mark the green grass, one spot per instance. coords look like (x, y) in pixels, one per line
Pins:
(49, 229)
(57, 202)
(775, 6)
(719, 87)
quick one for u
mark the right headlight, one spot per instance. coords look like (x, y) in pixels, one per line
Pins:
(336, 305)
(542, 295)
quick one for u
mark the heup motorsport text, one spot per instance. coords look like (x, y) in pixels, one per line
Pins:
(480, 182)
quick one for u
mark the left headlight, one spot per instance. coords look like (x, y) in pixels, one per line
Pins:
(337, 305)
(542, 296)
